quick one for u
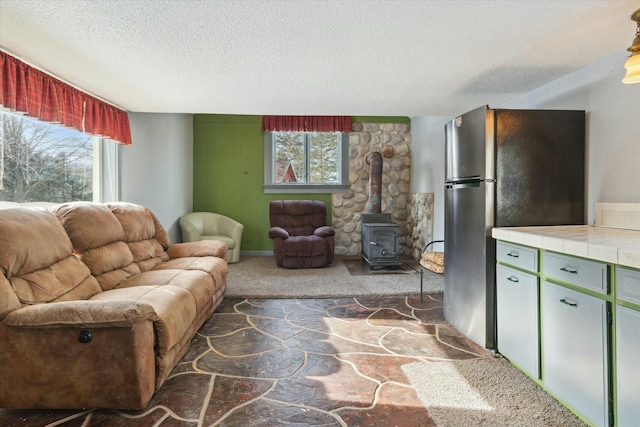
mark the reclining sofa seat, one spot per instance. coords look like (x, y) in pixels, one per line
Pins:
(301, 236)
(86, 323)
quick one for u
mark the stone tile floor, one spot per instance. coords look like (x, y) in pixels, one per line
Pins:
(302, 362)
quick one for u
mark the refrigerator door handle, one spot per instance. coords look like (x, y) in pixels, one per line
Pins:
(467, 184)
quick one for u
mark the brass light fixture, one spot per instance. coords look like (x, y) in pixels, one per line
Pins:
(633, 63)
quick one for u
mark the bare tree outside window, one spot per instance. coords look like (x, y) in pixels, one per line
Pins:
(42, 162)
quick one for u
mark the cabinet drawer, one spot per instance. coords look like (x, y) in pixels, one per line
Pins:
(582, 272)
(628, 284)
(518, 256)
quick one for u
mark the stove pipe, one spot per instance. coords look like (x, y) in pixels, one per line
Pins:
(374, 160)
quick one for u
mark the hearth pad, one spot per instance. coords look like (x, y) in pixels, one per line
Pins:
(358, 267)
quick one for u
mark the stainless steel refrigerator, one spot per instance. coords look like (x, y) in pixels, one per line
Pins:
(503, 168)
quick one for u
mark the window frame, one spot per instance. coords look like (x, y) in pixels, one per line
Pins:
(106, 170)
(271, 187)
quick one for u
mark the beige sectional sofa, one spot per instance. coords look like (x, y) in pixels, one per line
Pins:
(96, 305)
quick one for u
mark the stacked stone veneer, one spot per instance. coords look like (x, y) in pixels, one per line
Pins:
(348, 207)
(420, 222)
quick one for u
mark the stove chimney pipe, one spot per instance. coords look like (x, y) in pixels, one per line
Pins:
(374, 160)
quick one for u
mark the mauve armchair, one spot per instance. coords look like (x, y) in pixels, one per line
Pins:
(301, 236)
(197, 226)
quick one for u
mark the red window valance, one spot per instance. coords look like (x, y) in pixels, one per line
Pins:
(306, 123)
(37, 94)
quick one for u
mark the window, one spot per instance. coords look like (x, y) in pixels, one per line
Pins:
(306, 162)
(44, 162)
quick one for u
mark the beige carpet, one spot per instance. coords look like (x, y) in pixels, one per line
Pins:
(485, 392)
(259, 277)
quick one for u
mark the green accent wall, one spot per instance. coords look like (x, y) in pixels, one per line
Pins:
(228, 173)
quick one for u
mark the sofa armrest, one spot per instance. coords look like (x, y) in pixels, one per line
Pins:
(215, 248)
(95, 314)
(278, 232)
(324, 231)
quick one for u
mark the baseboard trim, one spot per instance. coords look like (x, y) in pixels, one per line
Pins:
(256, 253)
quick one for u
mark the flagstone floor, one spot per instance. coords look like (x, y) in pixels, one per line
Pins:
(304, 362)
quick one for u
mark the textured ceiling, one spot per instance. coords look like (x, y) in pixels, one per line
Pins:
(405, 58)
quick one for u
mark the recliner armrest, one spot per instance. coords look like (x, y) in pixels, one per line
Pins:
(82, 313)
(278, 232)
(215, 248)
(324, 231)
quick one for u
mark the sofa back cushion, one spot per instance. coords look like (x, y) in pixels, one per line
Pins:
(298, 217)
(36, 258)
(97, 238)
(147, 239)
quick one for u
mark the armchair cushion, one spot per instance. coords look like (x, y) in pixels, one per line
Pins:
(199, 226)
(301, 236)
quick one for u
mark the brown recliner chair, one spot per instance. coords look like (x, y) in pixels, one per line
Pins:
(301, 236)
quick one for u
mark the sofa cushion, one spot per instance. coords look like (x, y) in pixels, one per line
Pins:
(89, 225)
(36, 257)
(200, 248)
(97, 238)
(215, 267)
(8, 299)
(66, 280)
(198, 283)
(143, 233)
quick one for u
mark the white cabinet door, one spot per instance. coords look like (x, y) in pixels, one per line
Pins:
(628, 355)
(517, 316)
(574, 350)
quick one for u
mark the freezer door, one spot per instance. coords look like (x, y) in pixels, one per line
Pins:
(469, 152)
(469, 277)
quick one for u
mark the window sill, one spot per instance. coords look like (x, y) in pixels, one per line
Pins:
(302, 188)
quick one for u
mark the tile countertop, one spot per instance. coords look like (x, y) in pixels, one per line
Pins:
(613, 245)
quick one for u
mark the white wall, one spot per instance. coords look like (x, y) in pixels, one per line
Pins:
(613, 135)
(156, 170)
(427, 164)
(613, 126)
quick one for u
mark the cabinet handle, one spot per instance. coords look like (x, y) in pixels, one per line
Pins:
(566, 301)
(513, 254)
(513, 279)
(568, 269)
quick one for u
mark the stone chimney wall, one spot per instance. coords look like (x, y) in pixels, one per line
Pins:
(396, 174)
(420, 222)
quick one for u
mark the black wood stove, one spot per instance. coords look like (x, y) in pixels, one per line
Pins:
(380, 246)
